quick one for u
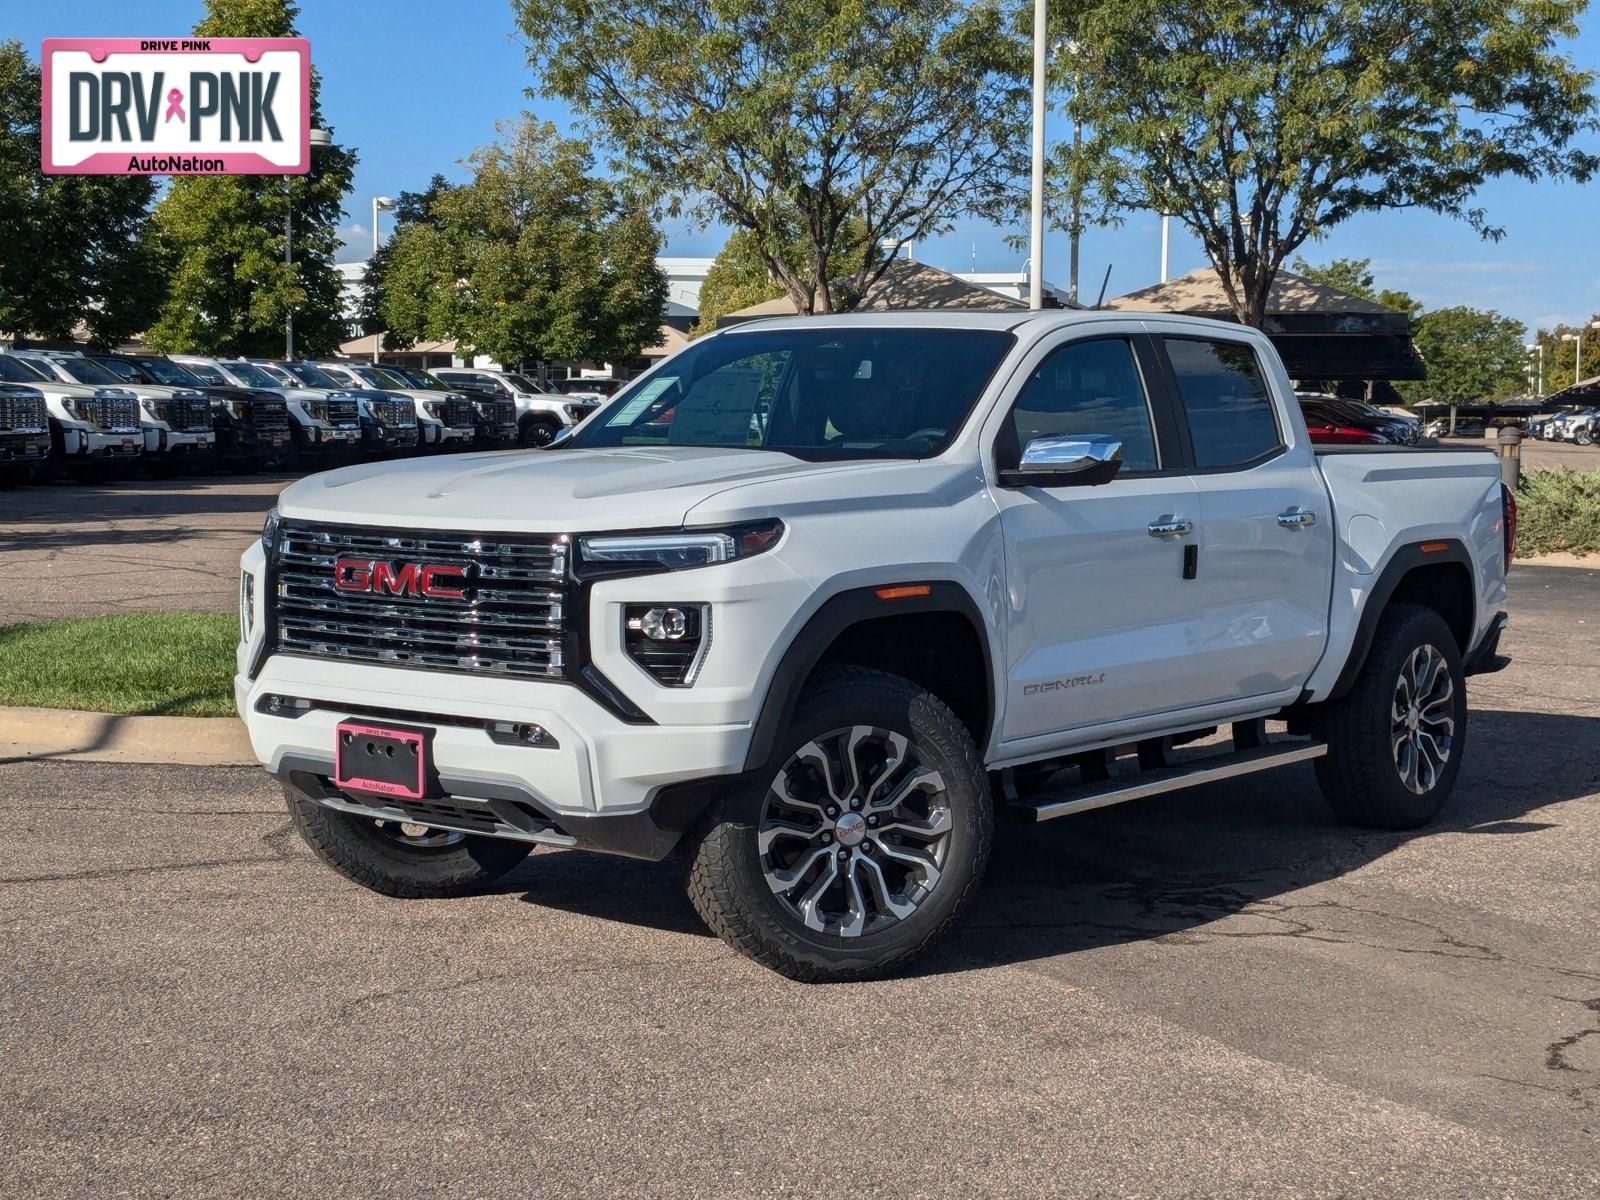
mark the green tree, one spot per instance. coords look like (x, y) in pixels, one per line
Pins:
(78, 249)
(231, 291)
(410, 208)
(776, 115)
(1561, 366)
(739, 275)
(1260, 126)
(534, 258)
(1354, 276)
(1471, 355)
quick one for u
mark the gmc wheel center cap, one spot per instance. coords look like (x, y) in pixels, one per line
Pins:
(850, 829)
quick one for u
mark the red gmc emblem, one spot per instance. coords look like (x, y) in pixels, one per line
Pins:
(429, 580)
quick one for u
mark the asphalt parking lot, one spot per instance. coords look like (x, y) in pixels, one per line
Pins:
(1217, 993)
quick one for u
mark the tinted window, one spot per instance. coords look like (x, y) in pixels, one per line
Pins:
(208, 374)
(14, 370)
(1225, 396)
(820, 394)
(88, 372)
(251, 375)
(1085, 387)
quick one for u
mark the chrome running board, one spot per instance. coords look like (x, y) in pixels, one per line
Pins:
(1064, 802)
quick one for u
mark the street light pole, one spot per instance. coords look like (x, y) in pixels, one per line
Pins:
(1166, 239)
(1036, 223)
(1577, 367)
(379, 204)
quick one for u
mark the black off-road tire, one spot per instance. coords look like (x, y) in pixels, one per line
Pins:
(363, 853)
(1358, 776)
(722, 870)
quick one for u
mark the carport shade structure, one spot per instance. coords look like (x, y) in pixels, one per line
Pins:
(1320, 332)
(1584, 392)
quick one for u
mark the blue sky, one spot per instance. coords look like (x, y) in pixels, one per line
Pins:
(414, 85)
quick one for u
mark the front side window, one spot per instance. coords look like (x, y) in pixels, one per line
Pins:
(1081, 388)
(169, 373)
(310, 376)
(124, 371)
(206, 373)
(14, 370)
(1226, 401)
(818, 394)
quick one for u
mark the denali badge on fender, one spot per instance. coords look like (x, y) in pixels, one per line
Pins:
(398, 579)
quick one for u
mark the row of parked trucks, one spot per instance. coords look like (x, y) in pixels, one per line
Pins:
(99, 416)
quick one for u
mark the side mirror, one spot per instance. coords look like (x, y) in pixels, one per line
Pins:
(1074, 460)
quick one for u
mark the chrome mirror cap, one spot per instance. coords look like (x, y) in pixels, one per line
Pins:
(1069, 460)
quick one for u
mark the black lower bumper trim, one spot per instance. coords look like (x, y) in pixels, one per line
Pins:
(498, 808)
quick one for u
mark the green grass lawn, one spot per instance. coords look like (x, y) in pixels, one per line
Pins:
(153, 664)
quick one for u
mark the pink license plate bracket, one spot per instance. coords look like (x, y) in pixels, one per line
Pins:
(381, 759)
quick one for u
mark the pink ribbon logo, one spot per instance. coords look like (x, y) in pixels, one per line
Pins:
(175, 106)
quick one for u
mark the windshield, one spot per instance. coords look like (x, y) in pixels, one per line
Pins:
(373, 377)
(208, 374)
(85, 371)
(251, 375)
(523, 384)
(309, 375)
(169, 373)
(820, 394)
(124, 371)
(14, 370)
(420, 380)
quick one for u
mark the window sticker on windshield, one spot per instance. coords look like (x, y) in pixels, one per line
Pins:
(719, 410)
(631, 410)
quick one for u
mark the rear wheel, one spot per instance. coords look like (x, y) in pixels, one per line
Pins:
(1395, 741)
(410, 861)
(870, 838)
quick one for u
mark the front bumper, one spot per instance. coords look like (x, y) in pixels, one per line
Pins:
(166, 441)
(24, 446)
(599, 782)
(327, 439)
(497, 435)
(78, 442)
(380, 439)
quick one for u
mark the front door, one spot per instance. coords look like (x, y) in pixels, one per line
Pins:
(1100, 614)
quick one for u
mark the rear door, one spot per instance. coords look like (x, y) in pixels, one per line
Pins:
(1265, 527)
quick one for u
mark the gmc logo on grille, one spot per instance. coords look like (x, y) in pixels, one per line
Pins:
(430, 580)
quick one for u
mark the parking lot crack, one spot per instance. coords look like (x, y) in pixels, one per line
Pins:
(1557, 1055)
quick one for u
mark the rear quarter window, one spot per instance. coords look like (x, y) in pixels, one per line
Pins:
(1226, 402)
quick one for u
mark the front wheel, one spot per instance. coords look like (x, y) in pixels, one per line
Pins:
(870, 838)
(1395, 741)
(538, 434)
(410, 861)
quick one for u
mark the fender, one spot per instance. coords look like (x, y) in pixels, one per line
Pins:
(1405, 560)
(837, 614)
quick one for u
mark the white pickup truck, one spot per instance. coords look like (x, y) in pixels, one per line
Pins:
(815, 599)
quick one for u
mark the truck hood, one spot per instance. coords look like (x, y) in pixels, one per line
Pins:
(543, 491)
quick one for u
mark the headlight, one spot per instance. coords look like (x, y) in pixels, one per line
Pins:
(676, 551)
(579, 411)
(269, 530)
(247, 605)
(433, 407)
(71, 407)
(317, 410)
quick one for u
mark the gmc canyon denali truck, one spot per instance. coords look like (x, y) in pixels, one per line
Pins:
(811, 600)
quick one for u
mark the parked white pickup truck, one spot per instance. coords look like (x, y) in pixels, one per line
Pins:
(812, 599)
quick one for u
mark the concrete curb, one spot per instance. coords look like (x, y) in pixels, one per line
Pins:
(65, 735)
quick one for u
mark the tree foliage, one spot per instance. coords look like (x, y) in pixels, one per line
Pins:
(777, 116)
(1354, 276)
(1262, 125)
(739, 275)
(1561, 365)
(231, 290)
(75, 250)
(534, 258)
(1471, 355)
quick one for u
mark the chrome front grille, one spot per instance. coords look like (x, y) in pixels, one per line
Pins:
(112, 411)
(496, 412)
(22, 410)
(456, 412)
(186, 413)
(344, 412)
(269, 414)
(511, 621)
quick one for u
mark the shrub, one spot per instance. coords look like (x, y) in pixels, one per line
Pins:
(1558, 510)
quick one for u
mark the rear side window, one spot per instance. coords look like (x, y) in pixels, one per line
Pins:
(1084, 387)
(1226, 401)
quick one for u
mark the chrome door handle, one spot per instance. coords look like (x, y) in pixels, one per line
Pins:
(1297, 518)
(1170, 527)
